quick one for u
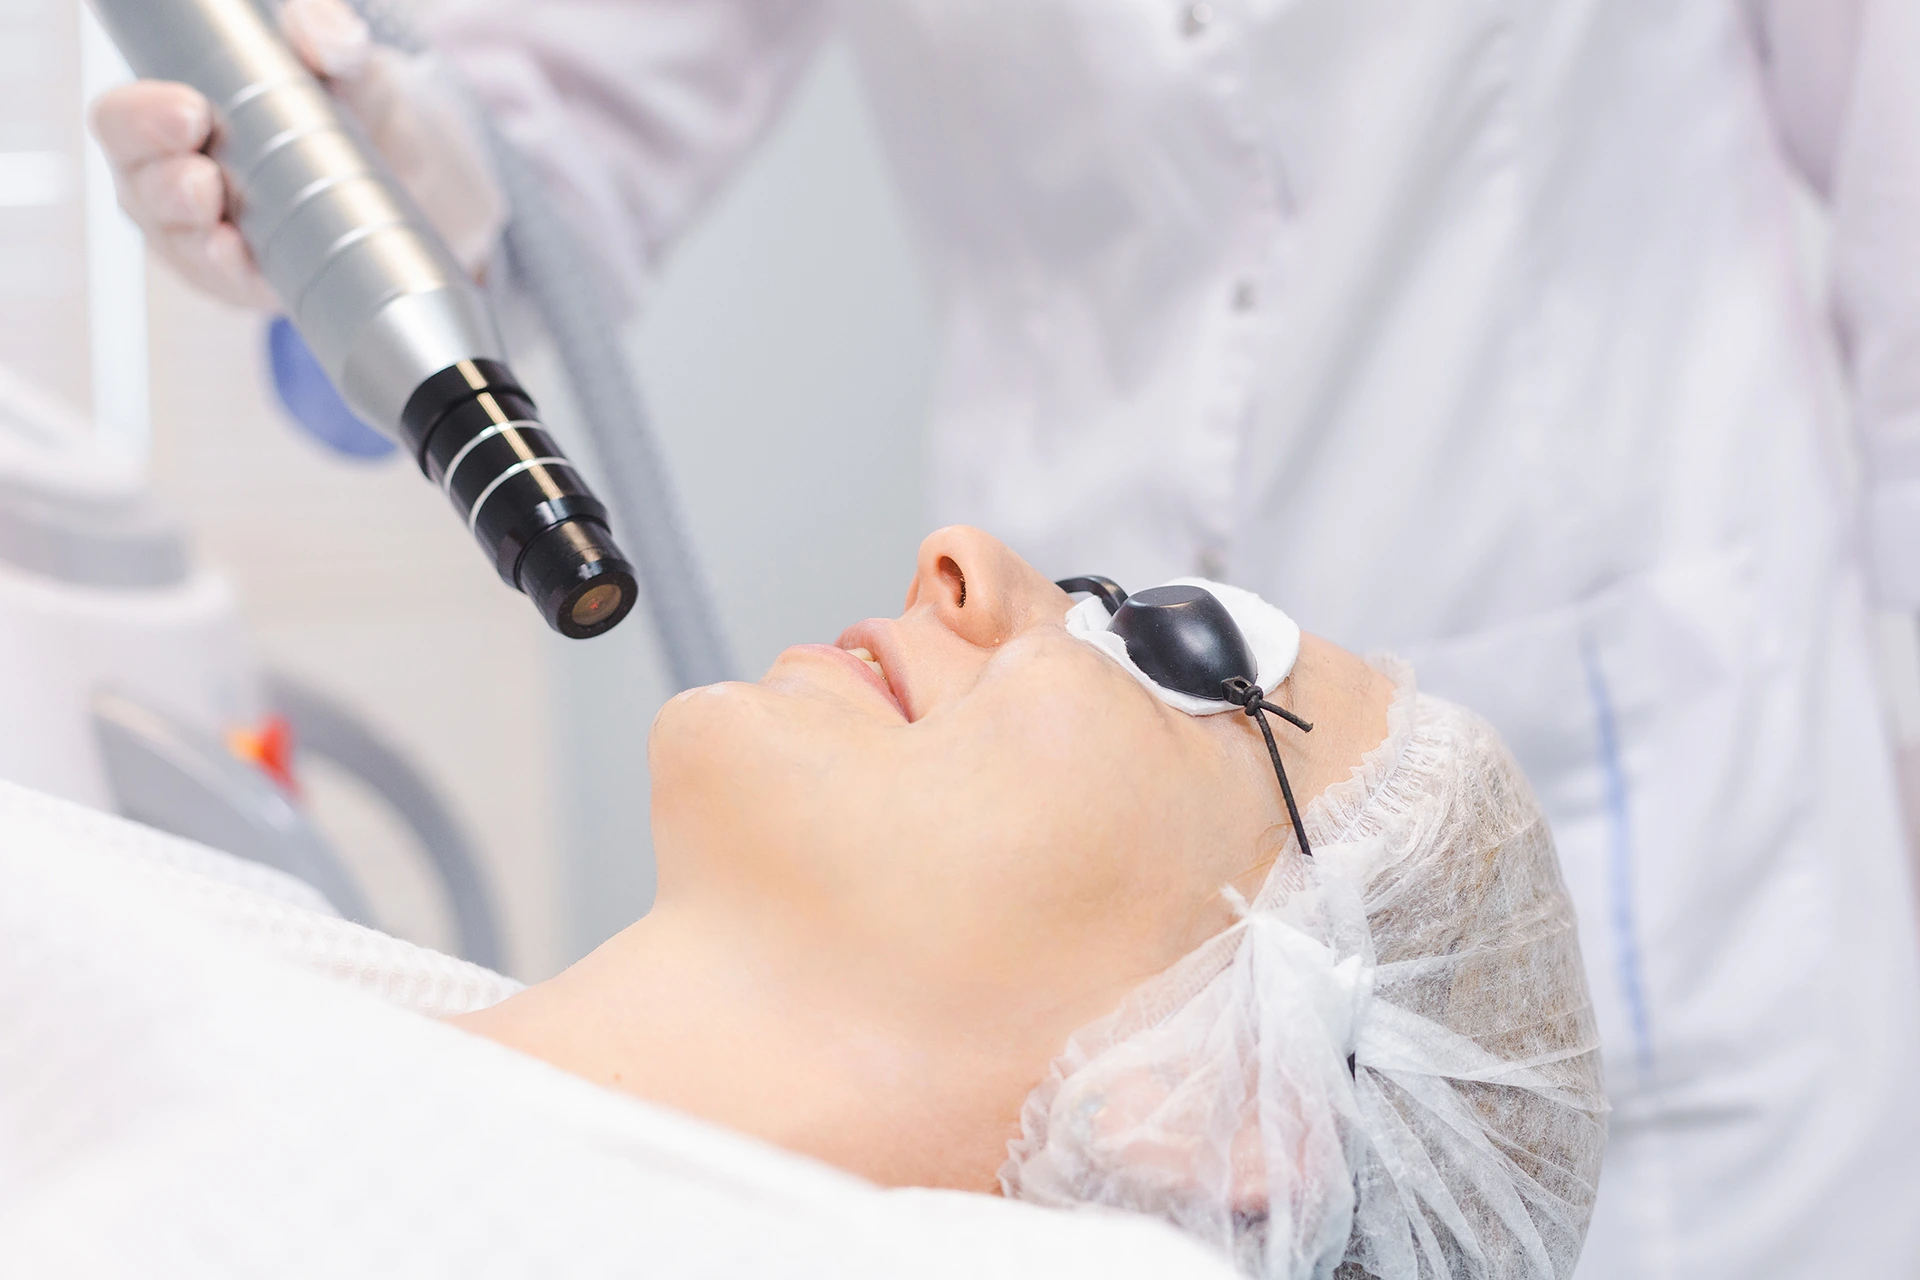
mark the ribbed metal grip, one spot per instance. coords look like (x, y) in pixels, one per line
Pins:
(365, 279)
(478, 436)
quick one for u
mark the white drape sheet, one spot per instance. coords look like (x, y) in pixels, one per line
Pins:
(202, 1073)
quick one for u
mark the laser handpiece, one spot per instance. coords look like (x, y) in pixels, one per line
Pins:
(399, 326)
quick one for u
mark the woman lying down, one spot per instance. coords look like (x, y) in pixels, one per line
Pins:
(1149, 904)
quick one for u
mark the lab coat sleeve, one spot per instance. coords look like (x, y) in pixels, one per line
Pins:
(634, 111)
(1842, 75)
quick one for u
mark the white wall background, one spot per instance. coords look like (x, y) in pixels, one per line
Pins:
(43, 252)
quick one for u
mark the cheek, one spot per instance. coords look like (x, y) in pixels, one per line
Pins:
(749, 787)
(1081, 822)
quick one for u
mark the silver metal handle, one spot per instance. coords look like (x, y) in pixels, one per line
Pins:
(364, 276)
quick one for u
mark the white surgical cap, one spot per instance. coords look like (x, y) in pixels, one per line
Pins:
(1429, 942)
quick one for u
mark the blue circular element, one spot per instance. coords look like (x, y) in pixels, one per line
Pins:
(309, 398)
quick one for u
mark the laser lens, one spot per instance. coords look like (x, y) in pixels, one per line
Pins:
(580, 582)
(597, 603)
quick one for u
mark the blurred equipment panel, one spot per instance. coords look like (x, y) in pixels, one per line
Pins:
(127, 682)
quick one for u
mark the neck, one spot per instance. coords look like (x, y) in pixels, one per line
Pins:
(688, 1009)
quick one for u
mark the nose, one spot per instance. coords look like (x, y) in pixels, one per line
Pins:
(978, 588)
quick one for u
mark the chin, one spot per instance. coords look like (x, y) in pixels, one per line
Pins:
(698, 739)
(695, 710)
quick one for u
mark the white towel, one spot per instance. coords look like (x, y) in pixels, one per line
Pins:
(202, 1074)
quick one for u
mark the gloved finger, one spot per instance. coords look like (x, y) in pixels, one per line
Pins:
(216, 262)
(415, 114)
(148, 119)
(363, 77)
(329, 37)
(175, 193)
(228, 255)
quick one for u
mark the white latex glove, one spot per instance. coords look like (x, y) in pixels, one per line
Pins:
(155, 134)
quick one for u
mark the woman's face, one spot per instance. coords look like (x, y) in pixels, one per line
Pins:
(998, 812)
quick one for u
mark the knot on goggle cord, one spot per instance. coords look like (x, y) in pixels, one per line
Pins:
(1245, 694)
(1183, 642)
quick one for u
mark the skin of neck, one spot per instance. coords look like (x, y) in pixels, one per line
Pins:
(729, 1009)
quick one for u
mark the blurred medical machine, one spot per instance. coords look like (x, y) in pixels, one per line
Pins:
(129, 686)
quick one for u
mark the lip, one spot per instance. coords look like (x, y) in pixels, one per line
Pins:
(860, 669)
(876, 636)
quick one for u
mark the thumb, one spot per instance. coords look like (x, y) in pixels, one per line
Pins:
(328, 36)
(336, 45)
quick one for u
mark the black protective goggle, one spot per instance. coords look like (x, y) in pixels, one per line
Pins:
(1184, 639)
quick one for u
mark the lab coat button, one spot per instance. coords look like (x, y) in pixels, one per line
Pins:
(1246, 296)
(1210, 564)
(1198, 18)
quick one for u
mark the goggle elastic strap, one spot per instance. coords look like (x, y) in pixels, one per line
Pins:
(1244, 693)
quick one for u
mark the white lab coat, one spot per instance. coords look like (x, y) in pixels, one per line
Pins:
(1481, 330)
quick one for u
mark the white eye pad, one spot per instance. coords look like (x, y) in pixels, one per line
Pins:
(1273, 637)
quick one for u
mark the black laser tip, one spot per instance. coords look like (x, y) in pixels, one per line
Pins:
(577, 578)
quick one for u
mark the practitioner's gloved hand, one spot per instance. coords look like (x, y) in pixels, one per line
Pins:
(155, 132)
